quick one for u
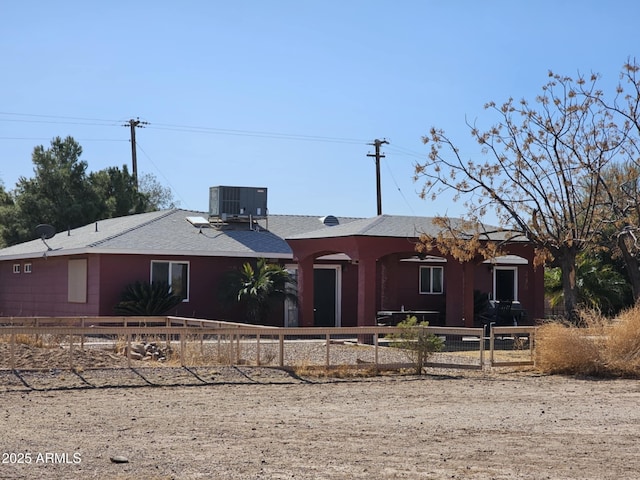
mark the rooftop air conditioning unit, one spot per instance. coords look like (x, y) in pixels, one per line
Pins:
(237, 203)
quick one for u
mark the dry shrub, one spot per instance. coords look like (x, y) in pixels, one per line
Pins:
(35, 340)
(597, 347)
(30, 340)
(565, 348)
(304, 368)
(623, 344)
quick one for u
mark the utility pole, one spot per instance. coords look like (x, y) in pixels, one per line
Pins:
(132, 124)
(377, 143)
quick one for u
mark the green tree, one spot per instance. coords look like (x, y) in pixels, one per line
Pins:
(6, 207)
(539, 174)
(59, 193)
(117, 193)
(257, 287)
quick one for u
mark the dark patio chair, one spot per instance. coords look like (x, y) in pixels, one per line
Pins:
(503, 313)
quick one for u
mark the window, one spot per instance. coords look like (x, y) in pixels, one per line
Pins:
(431, 279)
(77, 281)
(27, 268)
(175, 274)
(16, 268)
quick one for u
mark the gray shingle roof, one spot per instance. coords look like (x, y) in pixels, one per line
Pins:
(168, 232)
(381, 226)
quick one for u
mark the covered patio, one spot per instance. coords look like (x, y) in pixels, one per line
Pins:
(378, 246)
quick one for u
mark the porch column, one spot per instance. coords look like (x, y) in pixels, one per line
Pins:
(366, 291)
(305, 291)
(538, 292)
(459, 284)
(468, 285)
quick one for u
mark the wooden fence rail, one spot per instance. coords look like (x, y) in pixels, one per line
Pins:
(464, 347)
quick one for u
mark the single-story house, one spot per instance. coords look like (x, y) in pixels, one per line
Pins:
(348, 270)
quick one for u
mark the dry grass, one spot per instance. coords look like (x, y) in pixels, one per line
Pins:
(304, 369)
(599, 346)
(623, 344)
(36, 340)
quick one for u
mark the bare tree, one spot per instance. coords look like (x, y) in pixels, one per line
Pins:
(540, 174)
(620, 183)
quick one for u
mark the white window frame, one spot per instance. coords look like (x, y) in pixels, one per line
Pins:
(16, 268)
(27, 268)
(432, 268)
(171, 264)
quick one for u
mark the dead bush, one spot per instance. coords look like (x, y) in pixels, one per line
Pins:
(623, 344)
(596, 346)
(565, 348)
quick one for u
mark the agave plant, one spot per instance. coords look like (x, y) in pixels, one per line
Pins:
(144, 298)
(258, 288)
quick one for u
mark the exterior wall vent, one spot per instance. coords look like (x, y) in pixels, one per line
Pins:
(237, 203)
(330, 221)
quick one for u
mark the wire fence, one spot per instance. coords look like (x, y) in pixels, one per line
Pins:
(95, 342)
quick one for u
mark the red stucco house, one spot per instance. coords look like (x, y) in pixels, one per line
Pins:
(348, 269)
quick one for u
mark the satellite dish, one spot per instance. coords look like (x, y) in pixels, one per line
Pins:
(46, 231)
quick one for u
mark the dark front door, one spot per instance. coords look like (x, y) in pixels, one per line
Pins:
(324, 297)
(505, 284)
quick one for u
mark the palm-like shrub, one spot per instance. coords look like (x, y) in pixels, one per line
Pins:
(600, 285)
(257, 288)
(144, 298)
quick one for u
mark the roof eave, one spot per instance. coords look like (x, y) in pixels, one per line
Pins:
(178, 253)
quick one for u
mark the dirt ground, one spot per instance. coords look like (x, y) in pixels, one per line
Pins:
(257, 423)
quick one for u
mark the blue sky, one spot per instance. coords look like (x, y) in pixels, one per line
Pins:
(286, 94)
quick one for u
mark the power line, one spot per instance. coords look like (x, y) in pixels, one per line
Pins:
(78, 139)
(63, 120)
(399, 189)
(163, 175)
(37, 118)
(254, 133)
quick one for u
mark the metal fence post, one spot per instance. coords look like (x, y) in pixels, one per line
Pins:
(491, 343)
(328, 341)
(181, 348)
(37, 335)
(482, 340)
(71, 352)
(281, 349)
(128, 351)
(258, 349)
(12, 359)
(375, 350)
(82, 336)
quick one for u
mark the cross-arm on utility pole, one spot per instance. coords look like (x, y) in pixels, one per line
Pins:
(134, 159)
(377, 143)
